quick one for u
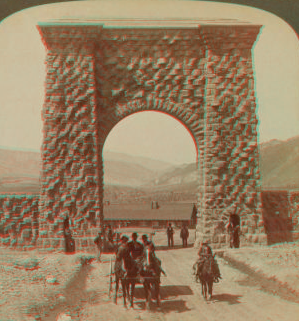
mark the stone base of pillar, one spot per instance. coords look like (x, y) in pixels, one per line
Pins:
(294, 236)
(219, 241)
(82, 244)
(51, 244)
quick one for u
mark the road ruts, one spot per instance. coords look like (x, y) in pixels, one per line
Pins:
(233, 299)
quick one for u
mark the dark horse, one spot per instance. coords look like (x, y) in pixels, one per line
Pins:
(146, 271)
(151, 273)
(126, 271)
(207, 274)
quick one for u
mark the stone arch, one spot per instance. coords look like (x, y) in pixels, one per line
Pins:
(96, 75)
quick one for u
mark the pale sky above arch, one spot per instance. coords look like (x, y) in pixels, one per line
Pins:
(22, 75)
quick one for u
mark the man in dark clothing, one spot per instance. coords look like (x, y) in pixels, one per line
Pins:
(234, 232)
(69, 241)
(147, 243)
(99, 243)
(184, 235)
(135, 247)
(123, 250)
(122, 254)
(170, 233)
(110, 234)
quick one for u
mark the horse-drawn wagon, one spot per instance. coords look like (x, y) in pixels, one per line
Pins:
(130, 272)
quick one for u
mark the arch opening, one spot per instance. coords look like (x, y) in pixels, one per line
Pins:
(158, 159)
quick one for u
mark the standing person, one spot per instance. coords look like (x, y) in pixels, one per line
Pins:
(69, 241)
(184, 235)
(99, 243)
(110, 234)
(234, 232)
(170, 233)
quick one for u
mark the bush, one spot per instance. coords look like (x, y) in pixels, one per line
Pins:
(27, 263)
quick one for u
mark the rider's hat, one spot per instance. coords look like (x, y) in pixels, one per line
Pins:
(124, 238)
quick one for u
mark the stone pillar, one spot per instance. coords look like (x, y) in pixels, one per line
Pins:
(70, 180)
(231, 164)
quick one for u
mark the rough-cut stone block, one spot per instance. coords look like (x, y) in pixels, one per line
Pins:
(263, 239)
(255, 238)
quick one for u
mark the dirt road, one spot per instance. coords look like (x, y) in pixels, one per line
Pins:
(236, 297)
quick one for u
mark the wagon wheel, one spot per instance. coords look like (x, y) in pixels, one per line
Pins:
(110, 279)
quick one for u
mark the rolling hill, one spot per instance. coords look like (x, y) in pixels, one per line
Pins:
(280, 164)
(140, 178)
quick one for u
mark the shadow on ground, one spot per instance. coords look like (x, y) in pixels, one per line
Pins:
(175, 247)
(226, 297)
(166, 291)
(75, 295)
(177, 306)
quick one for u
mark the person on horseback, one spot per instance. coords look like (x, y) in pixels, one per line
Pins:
(135, 247)
(205, 253)
(123, 250)
(136, 251)
(125, 271)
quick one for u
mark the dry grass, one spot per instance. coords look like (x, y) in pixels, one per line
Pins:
(26, 292)
(279, 262)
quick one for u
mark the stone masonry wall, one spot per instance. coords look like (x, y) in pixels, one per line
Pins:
(293, 198)
(70, 157)
(231, 164)
(19, 221)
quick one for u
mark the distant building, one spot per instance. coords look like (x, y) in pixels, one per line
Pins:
(150, 215)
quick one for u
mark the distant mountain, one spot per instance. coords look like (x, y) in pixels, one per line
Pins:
(270, 143)
(179, 176)
(20, 170)
(153, 165)
(280, 164)
(124, 173)
(144, 178)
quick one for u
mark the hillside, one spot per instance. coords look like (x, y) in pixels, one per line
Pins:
(123, 173)
(153, 165)
(280, 164)
(138, 178)
(19, 171)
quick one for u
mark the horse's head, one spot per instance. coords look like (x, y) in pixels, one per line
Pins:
(149, 258)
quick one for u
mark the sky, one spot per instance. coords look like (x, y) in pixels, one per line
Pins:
(150, 134)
